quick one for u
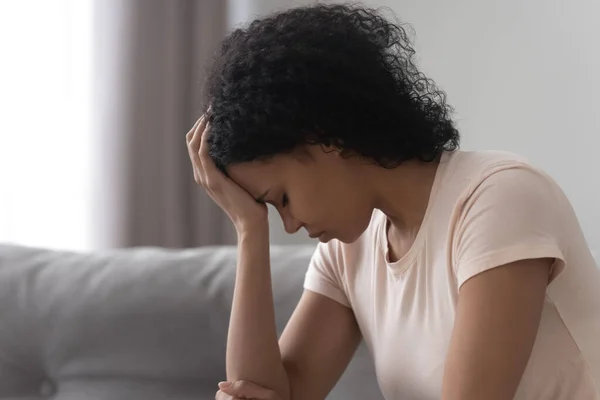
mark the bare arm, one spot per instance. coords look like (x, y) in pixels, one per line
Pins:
(314, 350)
(252, 350)
(496, 324)
(322, 334)
(317, 345)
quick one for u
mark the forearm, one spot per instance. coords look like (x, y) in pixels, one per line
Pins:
(252, 348)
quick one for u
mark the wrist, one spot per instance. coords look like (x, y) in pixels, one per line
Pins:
(257, 229)
(253, 249)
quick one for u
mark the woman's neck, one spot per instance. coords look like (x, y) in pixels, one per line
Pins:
(402, 193)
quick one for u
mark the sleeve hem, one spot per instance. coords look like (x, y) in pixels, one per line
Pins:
(471, 268)
(318, 285)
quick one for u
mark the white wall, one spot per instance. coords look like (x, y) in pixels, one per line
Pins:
(242, 11)
(523, 75)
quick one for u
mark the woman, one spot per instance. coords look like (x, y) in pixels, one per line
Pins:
(466, 273)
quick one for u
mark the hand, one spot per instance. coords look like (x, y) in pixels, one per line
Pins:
(244, 390)
(243, 210)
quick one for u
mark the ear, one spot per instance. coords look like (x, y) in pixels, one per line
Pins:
(313, 152)
(328, 148)
(339, 152)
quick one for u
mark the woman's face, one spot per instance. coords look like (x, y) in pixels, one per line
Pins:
(313, 189)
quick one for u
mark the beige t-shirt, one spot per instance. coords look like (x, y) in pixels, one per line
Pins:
(486, 209)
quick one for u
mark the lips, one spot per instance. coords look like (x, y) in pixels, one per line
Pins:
(315, 235)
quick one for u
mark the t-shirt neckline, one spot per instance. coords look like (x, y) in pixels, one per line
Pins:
(407, 260)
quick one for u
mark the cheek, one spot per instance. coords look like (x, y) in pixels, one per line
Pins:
(338, 205)
(312, 203)
(308, 208)
(326, 200)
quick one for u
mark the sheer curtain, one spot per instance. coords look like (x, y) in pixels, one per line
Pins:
(150, 59)
(96, 98)
(45, 168)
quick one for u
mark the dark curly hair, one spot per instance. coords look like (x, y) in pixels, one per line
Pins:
(337, 75)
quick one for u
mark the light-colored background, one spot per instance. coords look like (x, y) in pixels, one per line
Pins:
(98, 94)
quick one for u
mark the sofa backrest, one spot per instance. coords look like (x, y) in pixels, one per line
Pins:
(140, 323)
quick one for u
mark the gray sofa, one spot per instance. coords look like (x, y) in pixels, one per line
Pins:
(133, 324)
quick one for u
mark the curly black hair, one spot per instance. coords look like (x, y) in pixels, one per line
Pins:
(336, 75)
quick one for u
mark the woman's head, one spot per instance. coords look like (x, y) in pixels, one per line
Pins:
(298, 97)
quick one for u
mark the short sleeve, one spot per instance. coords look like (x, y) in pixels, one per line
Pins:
(514, 214)
(323, 275)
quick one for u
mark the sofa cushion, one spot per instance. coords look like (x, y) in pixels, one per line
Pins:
(142, 323)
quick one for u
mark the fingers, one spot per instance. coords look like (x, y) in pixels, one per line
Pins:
(190, 134)
(209, 174)
(206, 172)
(207, 162)
(224, 396)
(247, 389)
(193, 143)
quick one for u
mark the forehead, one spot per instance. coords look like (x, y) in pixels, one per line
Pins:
(257, 175)
(251, 168)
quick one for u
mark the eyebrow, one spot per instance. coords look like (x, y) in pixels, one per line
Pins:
(261, 198)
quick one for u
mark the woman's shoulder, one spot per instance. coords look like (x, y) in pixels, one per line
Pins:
(482, 161)
(464, 172)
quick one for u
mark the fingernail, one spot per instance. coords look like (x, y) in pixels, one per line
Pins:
(224, 385)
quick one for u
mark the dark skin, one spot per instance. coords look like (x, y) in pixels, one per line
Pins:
(317, 189)
(493, 333)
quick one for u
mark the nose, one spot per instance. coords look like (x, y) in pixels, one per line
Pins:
(291, 224)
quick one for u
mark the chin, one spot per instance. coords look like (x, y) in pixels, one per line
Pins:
(348, 237)
(350, 231)
(325, 239)
(345, 240)
(351, 234)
